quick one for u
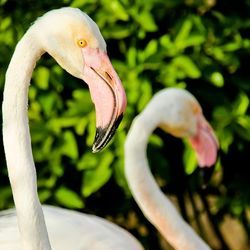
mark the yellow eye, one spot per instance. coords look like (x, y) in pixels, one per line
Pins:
(82, 43)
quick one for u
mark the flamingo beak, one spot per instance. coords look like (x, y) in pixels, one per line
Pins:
(205, 143)
(107, 93)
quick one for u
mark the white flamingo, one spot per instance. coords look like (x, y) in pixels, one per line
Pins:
(74, 40)
(178, 113)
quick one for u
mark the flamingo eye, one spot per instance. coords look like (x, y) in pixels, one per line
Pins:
(82, 43)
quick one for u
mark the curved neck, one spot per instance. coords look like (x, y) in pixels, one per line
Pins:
(17, 144)
(154, 204)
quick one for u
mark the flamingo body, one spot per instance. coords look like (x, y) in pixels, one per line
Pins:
(70, 230)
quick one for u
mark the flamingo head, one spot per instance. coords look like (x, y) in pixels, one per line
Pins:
(181, 115)
(75, 41)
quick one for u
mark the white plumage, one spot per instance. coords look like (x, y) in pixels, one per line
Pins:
(70, 230)
(74, 40)
(178, 113)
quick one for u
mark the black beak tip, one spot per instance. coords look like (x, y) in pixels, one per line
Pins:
(97, 145)
(104, 135)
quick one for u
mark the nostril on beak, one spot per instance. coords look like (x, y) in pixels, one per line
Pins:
(108, 75)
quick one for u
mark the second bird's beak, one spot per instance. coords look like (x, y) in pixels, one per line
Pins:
(107, 94)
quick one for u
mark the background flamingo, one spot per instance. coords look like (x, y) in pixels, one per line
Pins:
(178, 113)
(76, 43)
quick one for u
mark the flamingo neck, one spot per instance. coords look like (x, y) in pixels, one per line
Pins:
(17, 144)
(154, 204)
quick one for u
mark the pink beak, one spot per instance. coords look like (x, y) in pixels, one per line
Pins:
(107, 94)
(205, 143)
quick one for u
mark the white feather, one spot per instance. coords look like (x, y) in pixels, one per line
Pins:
(70, 230)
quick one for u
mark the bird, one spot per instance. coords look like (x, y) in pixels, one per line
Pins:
(74, 40)
(68, 229)
(178, 113)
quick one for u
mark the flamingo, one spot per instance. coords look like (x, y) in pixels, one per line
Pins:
(177, 112)
(74, 40)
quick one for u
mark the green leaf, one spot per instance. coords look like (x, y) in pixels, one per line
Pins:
(231, 46)
(156, 140)
(81, 126)
(131, 57)
(69, 145)
(57, 124)
(2, 2)
(118, 10)
(41, 77)
(150, 49)
(189, 159)
(81, 104)
(47, 102)
(32, 93)
(80, 3)
(39, 131)
(192, 40)
(146, 94)
(91, 129)
(47, 144)
(241, 105)
(244, 121)
(187, 66)
(6, 195)
(5, 23)
(183, 31)
(223, 116)
(44, 195)
(117, 32)
(35, 111)
(165, 41)
(225, 137)
(47, 182)
(146, 21)
(217, 79)
(94, 179)
(68, 198)
(87, 161)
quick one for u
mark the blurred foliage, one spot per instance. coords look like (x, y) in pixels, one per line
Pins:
(200, 45)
